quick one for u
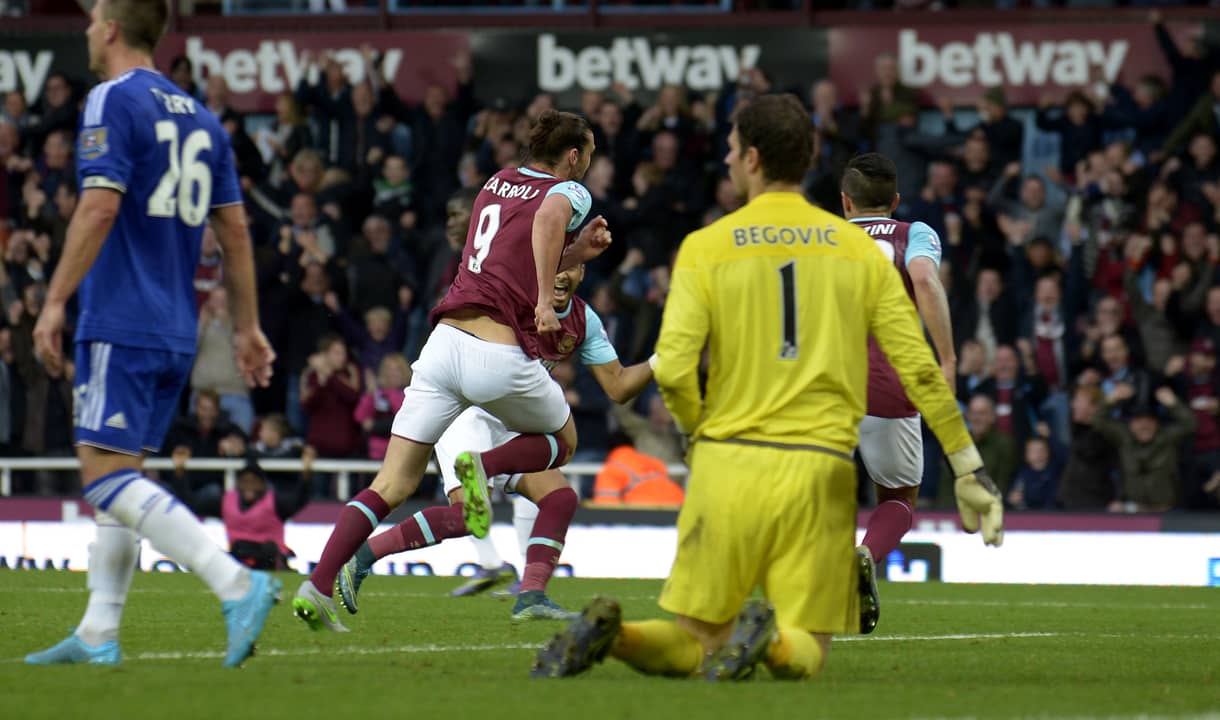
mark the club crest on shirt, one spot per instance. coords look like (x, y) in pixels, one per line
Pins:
(93, 143)
(567, 343)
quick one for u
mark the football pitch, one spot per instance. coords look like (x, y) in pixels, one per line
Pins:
(940, 651)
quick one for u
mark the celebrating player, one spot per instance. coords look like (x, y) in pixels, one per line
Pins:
(153, 165)
(784, 296)
(580, 334)
(484, 351)
(891, 443)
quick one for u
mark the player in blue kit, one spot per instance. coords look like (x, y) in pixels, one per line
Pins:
(153, 165)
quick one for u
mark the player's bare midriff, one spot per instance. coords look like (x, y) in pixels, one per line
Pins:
(478, 323)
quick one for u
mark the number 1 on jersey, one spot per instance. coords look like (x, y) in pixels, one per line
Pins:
(788, 349)
(484, 232)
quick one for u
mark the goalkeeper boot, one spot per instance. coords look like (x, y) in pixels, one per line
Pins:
(351, 576)
(747, 647)
(485, 579)
(535, 605)
(582, 644)
(244, 618)
(72, 651)
(315, 609)
(870, 601)
(476, 510)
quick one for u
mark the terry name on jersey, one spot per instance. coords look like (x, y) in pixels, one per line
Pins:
(781, 235)
(180, 104)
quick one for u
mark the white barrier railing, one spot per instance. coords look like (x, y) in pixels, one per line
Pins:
(343, 469)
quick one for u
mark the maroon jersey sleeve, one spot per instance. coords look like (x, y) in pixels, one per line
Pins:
(496, 274)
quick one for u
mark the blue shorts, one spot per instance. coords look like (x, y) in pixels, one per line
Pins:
(126, 397)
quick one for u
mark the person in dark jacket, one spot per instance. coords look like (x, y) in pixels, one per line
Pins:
(1087, 481)
(1147, 451)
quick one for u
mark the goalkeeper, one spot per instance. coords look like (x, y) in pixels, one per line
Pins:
(784, 296)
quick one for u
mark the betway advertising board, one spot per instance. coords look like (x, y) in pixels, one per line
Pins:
(959, 61)
(27, 60)
(258, 67)
(507, 64)
(1101, 558)
(568, 63)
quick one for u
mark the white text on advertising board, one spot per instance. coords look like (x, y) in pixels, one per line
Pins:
(638, 64)
(997, 59)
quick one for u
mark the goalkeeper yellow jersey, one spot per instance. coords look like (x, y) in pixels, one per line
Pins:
(784, 295)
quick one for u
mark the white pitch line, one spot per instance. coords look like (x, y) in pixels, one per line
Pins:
(952, 636)
(1055, 604)
(429, 649)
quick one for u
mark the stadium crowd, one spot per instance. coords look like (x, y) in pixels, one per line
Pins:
(1084, 294)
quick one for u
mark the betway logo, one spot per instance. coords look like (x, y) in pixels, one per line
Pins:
(24, 70)
(997, 59)
(276, 65)
(637, 64)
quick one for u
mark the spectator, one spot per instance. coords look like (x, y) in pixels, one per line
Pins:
(972, 370)
(836, 140)
(976, 168)
(1143, 111)
(254, 512)
(380, 402)
(1005, 135)
(47, 427)
(1037, 479)
(216, 362)
(1148, 452)
(1087, 482)
(330, 391)
(308, 320)
(275, 439)
(997, 449)
(989, 316)
(1078, 126)
(288, 135)
(382, 333)
(12, 400)
(206, 433)
(378, 276)
(1033, 214)
(59, 110)
(888, 101)
(1190, 65)
(630, 477)
(1200, 119)
(1195, 381)
(1017, 397)
(1156, 331)
(1119, 372)
(209, 274)
(654, 435)
(182, 73)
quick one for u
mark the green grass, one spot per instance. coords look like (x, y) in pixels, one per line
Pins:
(940, 651)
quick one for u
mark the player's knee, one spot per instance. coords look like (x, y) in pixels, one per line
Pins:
(390, 488)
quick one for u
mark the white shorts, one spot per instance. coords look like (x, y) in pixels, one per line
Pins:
(478, 430)
(892, 450)
(456, 370)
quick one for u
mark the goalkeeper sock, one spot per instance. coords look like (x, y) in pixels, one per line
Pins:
(358, 519)
(525, 512)
(112, 562)
(525, 454)
(146, 508)
(794, 655)
(489, 559)
(658, 647)
(423, 529)
(555, 512)
(889, 521)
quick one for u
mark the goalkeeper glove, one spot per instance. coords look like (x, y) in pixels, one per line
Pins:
(978, 499)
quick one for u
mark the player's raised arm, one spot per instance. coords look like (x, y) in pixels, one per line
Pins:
(622, 384)
(254, 353)
(684, 330)
(550, 224)
(91, 223)
(894, 323)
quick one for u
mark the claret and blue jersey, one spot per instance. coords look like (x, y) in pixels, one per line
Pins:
(172, 162)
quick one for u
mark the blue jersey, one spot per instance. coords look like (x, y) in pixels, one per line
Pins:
(168, 155)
